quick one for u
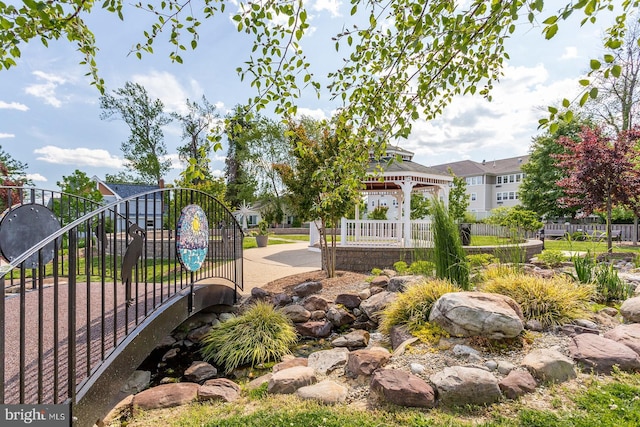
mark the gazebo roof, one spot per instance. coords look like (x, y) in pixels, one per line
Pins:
(386, 173)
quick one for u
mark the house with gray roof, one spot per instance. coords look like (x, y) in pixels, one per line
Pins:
(490, 184)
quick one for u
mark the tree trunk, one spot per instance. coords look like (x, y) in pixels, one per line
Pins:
(609, 209)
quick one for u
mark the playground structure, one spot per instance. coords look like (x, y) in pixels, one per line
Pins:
(89, 292)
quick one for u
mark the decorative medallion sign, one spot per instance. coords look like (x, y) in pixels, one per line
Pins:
(192, 237)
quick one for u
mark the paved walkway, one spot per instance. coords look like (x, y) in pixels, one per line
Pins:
(263, 265)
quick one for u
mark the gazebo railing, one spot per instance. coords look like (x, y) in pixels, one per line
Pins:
(370, 233)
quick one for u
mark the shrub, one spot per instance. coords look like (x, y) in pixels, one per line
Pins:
(610, 287)
(424, 268)
(551, 257)
(550, 301)
(481, 260)
(376, 271)
(585, 268)
(449, 256)
(413, 306)
(400, 267)
(259, 335)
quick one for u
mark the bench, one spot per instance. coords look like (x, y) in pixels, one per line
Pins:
(602, 235)
(554, 234)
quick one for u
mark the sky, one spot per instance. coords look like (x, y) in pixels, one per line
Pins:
(50, 115)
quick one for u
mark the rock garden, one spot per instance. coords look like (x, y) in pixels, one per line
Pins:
(403, 337)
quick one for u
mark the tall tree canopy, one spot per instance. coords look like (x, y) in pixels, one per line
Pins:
(403, 59)
(145, 117)
(241, 186)
(539, 191)
(601, 172)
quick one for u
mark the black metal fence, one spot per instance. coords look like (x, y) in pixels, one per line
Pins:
(65, 309)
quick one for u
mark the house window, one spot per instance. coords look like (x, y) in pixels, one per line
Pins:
(499, 180)
(474, 196)
(512, 195)
(498, 196)
(512, 178)
(518, 177)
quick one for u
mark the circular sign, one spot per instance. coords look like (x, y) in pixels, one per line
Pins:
(23, 227)
(192, 237)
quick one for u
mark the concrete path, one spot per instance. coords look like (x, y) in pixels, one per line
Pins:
(264, 265)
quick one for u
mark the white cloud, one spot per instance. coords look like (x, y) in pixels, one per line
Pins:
(6, 135)
(570, 52)
(217, 173)
(36, 177)
(78, 157)
(166, 87)
(13, 106)
(317, 113)
(473, 128)
(332, 6)
(47, 89)
(175, 161)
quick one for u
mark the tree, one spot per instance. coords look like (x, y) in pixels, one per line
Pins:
(145, 117)
(514, 218)
(322, 181)
(420, 206)
(601, 172)
(403, 59)
(458, 198)
(539, 191)
(241, 186)
(200, 130)
(12, 173)
(124, 178)
(76, 184)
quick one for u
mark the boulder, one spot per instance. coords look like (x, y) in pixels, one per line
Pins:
(318, 315)
(219, 389)
(356, 339)
(373, 305)
(339, 317)
(628, 335)
(198, 334)
(256, 383)
(350, 301)
(200, 371)
(630, 310)
(259, 293)
(307, 288)
(137, 382)
(399, 283)
(365, 362)
(290, 363)
(314, 302)
(281, 299)
(517, 383)
(549, 365)
(289, 380)
(398, 335)
(467, 314)
(314, 329)
(379, 281)
(327, 392)
(403, 389)
(326, 361)
(166, 396)
(297, 313)
(460, 385)
(573, 330)
(601, 354)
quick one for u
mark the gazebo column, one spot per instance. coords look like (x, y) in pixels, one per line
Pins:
(406, 187)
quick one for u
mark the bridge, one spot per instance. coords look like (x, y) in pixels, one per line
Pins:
(90, 289)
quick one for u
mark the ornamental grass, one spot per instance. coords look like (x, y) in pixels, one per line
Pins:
(552, 301)
(261, 334)
(413, 306)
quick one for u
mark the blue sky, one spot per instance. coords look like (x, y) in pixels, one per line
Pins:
(50, 115)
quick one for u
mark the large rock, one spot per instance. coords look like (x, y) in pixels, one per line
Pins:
(296, 313)
(290, 363)
(200, 371)
(281, 299)
(339, 317)
(314, 303)
(628, 335)
(460, 385)
(166, 396)
(328, 392)
(365, 362)
(373, 305)
(549, 365)
(289, 380)
(326, 361)
(601, 354)
(403, 389)
(350, 301)
(198, 334)
(400, 283)
(630, 310)
(219, 389)
(307, 288)
(137, 382)
(314, 329)
(356, 339)
(517, 383)
(467, 314)
(398, 335)
(379, 281)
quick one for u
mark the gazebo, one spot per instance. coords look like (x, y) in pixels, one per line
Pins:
(398, 177)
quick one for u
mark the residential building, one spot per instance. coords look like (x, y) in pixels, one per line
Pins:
(490, 184)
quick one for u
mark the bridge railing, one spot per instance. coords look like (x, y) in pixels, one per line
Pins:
(66, 310)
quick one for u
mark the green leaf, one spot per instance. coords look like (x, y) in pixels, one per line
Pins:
(566, 103)
(608, 58)
(583, 99)
(584, 82)
(593, 93)
(616, 70)
(595, 64)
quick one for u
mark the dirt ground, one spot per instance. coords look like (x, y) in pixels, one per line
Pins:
(344, 282)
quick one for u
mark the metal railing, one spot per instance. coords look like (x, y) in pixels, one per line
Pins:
(64, 311)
